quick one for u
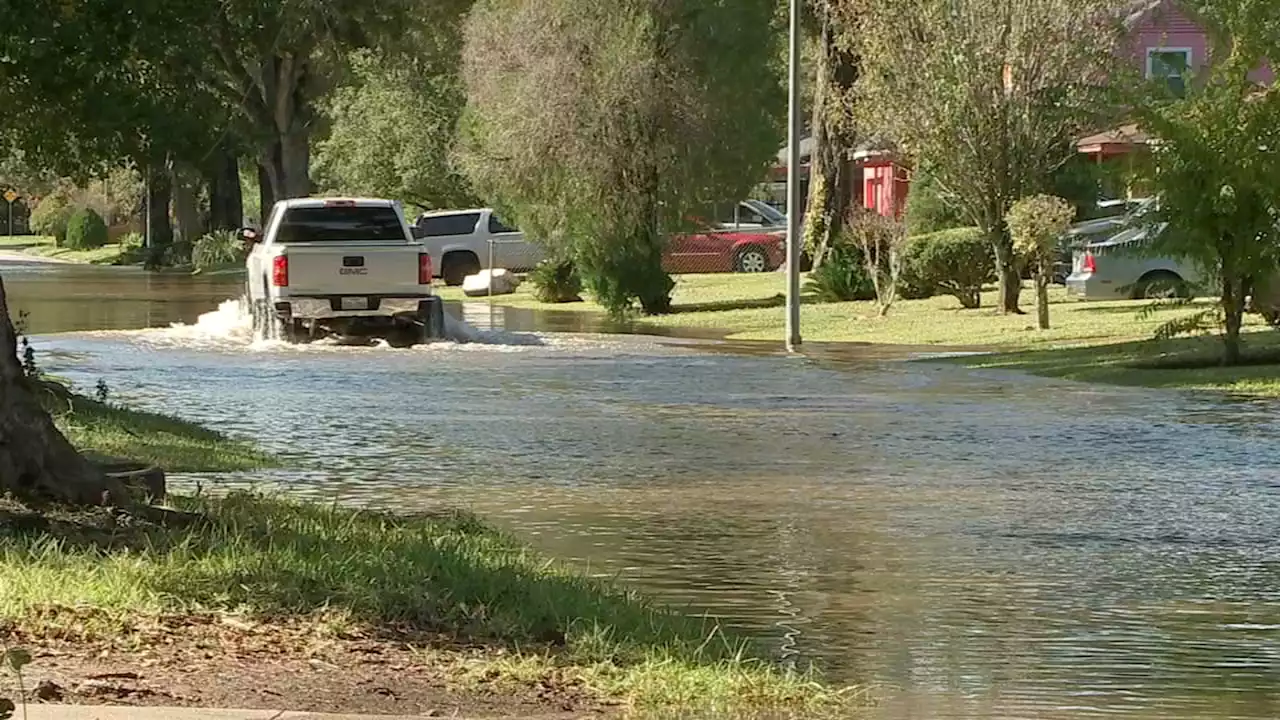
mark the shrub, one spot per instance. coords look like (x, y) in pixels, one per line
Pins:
(86, 230)
(879, 241)
(842, 277)
(178, 253)
(50, 217)
(219, 249)
(929, 209)
(556, 281)
(957, 262)
(1036, 224)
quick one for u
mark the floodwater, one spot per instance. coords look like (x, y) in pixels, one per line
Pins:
(973, 545)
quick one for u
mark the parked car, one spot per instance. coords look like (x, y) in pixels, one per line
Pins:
(1120, 268)
(1109, 219)
(338, 266)
(461, 241)
(725, 251)
(749, 215)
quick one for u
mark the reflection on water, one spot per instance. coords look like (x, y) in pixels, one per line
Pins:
(77, 298)
(976, 544)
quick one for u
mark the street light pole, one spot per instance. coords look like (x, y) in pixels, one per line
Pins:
(794, 199)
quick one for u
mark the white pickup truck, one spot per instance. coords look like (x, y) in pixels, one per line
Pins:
(461, 243)
(341, 267)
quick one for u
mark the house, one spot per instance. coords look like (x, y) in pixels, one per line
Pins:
(1165, 40)
(1169, 45)
(880, 183)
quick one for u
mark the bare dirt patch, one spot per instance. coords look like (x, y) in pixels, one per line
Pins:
(211, 661)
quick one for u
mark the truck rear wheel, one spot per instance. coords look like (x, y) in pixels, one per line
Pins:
(431, 315)
(457, 266)
(269, 326)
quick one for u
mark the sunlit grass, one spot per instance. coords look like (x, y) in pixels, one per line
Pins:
(1184, 363)
(268, 559)
(105, 255)
(1089, 341)
(168, 442)
(936, 321)
(11, 242)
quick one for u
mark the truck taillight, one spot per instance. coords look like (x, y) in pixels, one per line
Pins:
(280, 271)
(1089, 265)
(424, 269)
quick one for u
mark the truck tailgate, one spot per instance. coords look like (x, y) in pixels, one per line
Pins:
(354, 269)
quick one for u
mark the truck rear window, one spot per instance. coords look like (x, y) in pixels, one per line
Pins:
(449, 225)
(336, 224)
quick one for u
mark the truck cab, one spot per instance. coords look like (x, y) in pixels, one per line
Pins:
(346, 267)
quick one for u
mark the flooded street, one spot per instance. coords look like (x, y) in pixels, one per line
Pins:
(973, 545)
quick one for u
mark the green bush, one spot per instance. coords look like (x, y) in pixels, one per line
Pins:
(842, 277)
(219, 250)
(958, 262)
(556, 281)
(912, 285)
(929, 209)
(86, 230)
(50, 217)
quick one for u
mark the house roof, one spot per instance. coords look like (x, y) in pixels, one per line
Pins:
(1137, 10)
(1123, 137)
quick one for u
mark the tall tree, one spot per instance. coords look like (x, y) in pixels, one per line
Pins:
(990, 94)
(835, 136)
(276, 60)
(393, 127)
(600, 127)
(1217, 170)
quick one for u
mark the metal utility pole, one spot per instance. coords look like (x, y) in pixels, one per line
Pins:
(794, 199)
(146, 210)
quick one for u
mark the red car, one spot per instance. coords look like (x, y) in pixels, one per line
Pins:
(726, 251)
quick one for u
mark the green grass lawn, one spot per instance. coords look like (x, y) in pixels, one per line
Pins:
(168, 442)
(43, 246)
(733, 304)
(1092, 341)
(18, 242)
(447, 584)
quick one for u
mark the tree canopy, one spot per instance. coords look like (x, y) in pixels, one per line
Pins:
(601, 127)
(990, 95)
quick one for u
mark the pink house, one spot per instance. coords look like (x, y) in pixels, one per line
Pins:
(1169, 42)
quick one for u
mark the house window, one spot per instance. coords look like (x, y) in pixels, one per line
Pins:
(1170, 65)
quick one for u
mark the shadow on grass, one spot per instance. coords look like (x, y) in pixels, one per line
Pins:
(728, 305)
(1184, 363)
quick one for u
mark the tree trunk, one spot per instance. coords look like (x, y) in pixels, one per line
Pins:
(287, 156)
(158, 203)
(186, 207)
(36, 461)
(1042, 293)
(295, 164)
(1007, 269)
(830, 170)
(266, 193)
(226, 200)
(1233, 295)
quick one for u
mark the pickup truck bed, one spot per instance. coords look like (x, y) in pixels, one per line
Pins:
(341, 267)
